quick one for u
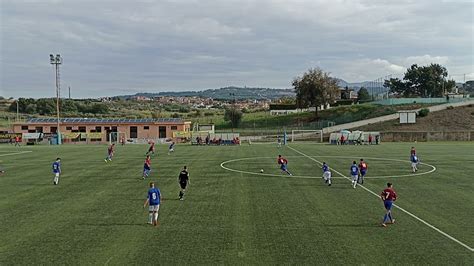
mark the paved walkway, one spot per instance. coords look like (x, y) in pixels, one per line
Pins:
(379, 119)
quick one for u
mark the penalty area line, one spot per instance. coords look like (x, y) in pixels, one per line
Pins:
(400, 208)
(15, 153)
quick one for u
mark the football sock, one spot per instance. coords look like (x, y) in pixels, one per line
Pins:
(156, 216)
(150, 217)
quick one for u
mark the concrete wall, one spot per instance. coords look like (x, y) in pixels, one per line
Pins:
(408, 136)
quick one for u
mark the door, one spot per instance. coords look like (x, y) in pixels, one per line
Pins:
(133, 132)
(162, 132)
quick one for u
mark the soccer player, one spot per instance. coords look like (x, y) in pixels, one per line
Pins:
(283, 164)
(56, 170)
(279, 142)
(354, 173)
(414, 162)
(388, 197)
(171, 148)
(147, 167)
(362, 171)
(151, 149)
(326, 174)
(17, 141)
(153, 199)
(183, 180)
(110, 153)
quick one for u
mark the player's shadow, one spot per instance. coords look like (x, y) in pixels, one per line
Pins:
(114, 224)
(352, 225)
(168, 199)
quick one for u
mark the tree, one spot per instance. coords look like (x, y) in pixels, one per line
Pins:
(315, 88)
(363, 95)
(423, 81)
(233, 115)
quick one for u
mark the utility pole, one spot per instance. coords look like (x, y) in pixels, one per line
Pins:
(56, 61)
(69, 92)
(17, 111)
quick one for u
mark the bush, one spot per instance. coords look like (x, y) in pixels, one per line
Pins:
(423, 112)
(450, 107)
(208, 114)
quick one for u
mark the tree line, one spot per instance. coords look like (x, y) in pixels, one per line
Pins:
(47, 106)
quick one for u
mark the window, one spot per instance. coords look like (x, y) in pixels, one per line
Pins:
(82, 129)
(146, 127)
(68, 128)
(39, 130)
(174, 127)
(24, 127)
(98, 129)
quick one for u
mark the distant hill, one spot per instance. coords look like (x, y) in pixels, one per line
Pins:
(226, 93)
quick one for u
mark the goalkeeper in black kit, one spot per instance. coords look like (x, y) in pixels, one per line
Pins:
(183, 180)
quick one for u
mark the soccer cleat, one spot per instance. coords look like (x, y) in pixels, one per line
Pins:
(393, 221)
(384, 225)
(105, 160)
(329, 184)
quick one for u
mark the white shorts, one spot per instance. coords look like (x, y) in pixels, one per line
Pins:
(327, 175)
(170, 150)
(56, 174)
(355, 177)
(154, 208)
(413, 165)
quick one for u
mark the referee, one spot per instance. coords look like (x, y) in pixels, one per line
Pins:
(183, 180)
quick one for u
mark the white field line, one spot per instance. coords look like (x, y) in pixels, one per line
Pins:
(15, 153)
(433, 168)
(400, 208)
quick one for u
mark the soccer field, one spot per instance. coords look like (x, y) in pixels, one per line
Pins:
(232, 213)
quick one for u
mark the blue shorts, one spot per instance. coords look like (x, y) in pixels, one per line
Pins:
(388, 204)
(362, 172)
(283, 167)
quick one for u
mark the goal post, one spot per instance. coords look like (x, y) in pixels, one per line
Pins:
(116, 137)
(308, 134)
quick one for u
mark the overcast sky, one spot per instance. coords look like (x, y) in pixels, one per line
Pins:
(113, 47)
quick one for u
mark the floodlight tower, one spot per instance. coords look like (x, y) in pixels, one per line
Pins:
(56, 61)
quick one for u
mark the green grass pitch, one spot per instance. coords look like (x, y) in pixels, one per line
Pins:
(236, 216)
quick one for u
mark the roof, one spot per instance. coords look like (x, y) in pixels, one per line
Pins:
(105, 120)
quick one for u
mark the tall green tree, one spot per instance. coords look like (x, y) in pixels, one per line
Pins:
(233, 115)
(423, 81)
(315, 88)
(363, 95)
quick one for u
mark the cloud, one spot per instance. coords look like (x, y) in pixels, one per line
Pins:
(112, 45)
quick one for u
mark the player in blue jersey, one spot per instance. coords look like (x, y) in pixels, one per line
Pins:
(153, 199)
(414, 162)
(354, 173)
(56, 170)
(171, 148)
(326, 174)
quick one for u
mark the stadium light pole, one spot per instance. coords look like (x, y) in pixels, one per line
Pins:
(56, 61)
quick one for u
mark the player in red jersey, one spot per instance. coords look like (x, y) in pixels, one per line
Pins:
(110, 153)
(151, 149)
(362, 171)
(412, 151)
(283, 164)
(147, 167)
(388, 196)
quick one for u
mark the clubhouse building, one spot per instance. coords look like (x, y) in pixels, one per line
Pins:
(100, 129)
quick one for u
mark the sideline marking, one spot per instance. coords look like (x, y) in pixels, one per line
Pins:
(433, 168)
(400, 208)
(15, 153)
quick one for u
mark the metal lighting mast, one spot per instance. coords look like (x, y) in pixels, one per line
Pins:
(56, 61)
